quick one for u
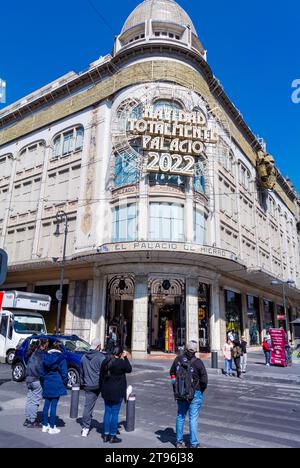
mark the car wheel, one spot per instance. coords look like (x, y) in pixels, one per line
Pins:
(18, 372)
(10, 357)
(73, 377)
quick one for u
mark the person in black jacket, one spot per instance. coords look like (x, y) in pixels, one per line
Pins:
(114, 388)
(199, 381)
(35, 391)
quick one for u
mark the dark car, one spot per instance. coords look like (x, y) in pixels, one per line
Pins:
(74, 347)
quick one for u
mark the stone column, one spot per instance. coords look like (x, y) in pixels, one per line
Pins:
(215, 317)
(140, 318)
(261, 318)
(192, 306)
(245, 316)
(99, 307)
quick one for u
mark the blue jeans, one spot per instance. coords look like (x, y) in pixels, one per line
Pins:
(194, 410)
(228, 366)
(111, 417)
(50, 403)
(268, 357)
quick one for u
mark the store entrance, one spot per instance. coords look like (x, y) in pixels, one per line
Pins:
(168, 328)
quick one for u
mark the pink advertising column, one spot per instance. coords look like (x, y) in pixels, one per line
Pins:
(278, 357)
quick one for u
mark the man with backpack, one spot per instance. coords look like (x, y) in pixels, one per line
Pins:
(90, 372)
(189, 378)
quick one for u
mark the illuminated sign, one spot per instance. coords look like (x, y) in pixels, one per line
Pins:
(172, 139)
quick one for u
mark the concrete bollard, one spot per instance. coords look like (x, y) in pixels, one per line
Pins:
(130, 413)
(214, 360)
(74, 402)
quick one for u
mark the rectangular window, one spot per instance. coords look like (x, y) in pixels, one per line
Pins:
(125, 223)
(68, 142)
(79, 139)
(200, 227)
(57, 147)
(166, 222)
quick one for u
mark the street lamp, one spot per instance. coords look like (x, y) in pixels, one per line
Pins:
(61, 218)
(284, 284)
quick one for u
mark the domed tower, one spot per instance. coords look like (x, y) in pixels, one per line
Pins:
(159, 21)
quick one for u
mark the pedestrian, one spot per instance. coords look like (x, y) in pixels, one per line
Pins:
(244, 357)
(114, 388)
(227, 352)
(267, 347)
(54, 379)
(236, 355)
(232, 335)
(35, 391)
(90, 371)
(111, 342)
(189, 378)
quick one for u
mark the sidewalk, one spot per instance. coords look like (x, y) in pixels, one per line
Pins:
(257, 371)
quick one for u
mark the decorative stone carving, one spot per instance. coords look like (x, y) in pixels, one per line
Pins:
(266, 170)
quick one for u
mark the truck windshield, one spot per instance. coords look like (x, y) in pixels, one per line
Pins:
(29, 324)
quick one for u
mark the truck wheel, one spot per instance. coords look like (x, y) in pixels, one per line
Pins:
(73, 376)
(10, 356)
(18, 372)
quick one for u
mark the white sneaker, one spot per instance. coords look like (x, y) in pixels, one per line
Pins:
(46, 428)
(85, 432)
(54, 431)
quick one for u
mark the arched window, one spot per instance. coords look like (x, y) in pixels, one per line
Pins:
(68, 142)
(244, 177)
(228, 162)
(167, 106)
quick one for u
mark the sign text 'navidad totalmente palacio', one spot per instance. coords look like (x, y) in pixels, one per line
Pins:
(172, 139)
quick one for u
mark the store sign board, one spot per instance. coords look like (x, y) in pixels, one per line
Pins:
(171, 139)
(278, 338)
(167, 247)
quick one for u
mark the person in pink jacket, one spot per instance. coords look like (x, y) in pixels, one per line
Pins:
(227, 351)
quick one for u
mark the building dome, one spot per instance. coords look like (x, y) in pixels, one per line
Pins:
(159, 21)
(167, 11)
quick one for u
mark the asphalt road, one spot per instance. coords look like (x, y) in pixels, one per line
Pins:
(253, 413)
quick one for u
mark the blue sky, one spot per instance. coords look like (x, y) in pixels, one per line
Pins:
(253, 48)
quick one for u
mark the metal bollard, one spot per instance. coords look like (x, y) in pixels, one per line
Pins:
(214, 360)
(75, 401)
(130, 413)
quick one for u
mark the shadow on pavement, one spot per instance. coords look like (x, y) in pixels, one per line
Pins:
(167, 436)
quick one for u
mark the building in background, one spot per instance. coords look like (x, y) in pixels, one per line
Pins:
(179, 219)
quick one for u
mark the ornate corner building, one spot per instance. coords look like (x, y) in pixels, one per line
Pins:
(179, 220)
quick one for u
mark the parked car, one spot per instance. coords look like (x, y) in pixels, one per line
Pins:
(74, 347)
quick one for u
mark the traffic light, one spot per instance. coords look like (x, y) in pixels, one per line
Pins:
(3, 266)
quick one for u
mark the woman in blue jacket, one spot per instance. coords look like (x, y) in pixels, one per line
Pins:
(54, 379)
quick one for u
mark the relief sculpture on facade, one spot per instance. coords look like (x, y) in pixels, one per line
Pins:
(266, 170)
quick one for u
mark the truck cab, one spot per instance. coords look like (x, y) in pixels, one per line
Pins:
(20, 318)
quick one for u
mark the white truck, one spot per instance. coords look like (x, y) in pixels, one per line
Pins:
(19, 319)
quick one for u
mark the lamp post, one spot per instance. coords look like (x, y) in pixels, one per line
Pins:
(284, 284)
(61, 218)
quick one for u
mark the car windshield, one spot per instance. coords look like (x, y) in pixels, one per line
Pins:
(75, 345)
(27, 325)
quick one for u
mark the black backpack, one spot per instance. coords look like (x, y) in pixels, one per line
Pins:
(185, 387)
